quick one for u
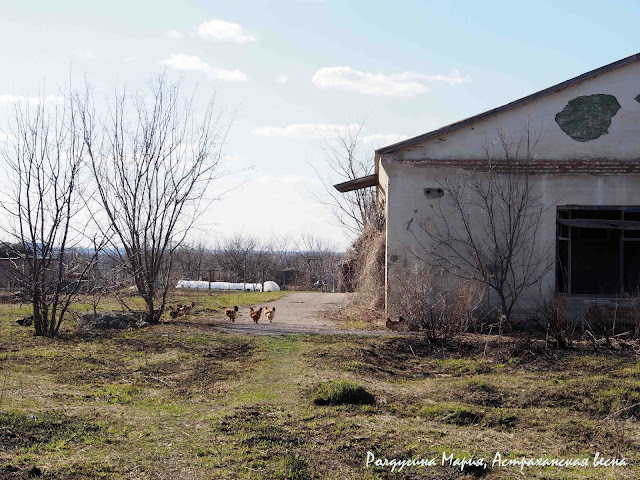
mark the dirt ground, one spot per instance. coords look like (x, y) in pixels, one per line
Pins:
(298, 313)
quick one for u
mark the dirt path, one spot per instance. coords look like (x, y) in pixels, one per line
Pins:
(297, 313)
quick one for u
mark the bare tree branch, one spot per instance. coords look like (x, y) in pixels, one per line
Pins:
(42, 195)
(152, 160)
(344, 157)
(487, 228)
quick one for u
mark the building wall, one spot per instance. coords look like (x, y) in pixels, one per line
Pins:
(382, 196)
(409, 209)
(588, 153)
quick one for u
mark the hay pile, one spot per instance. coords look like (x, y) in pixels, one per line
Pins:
(370, 257)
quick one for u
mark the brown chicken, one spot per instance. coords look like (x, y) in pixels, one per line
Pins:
(231, 313)
(269, 313)
(255, 314)
(173, 312)
(394, 324)
(187, 309)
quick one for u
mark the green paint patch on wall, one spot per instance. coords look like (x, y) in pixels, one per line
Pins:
(588, 117)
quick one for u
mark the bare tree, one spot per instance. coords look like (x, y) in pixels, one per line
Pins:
(348, 158)
(152, 160)
(245, 258)
(487, 228)
(317, 260)
(193, 260)
(42, 197)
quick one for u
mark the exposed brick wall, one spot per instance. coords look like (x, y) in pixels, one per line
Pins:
(538, 167)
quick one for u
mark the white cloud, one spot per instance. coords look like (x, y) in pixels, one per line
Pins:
(130, 58)
(174, 34)
(180, 61)
(381, 140)
(398, 85)
(304, 130)
(4, 99)
(224, 31)
(282, 79)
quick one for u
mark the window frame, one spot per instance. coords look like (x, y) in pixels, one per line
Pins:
(568, 209)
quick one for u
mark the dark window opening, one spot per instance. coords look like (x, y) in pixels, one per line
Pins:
(598, 250)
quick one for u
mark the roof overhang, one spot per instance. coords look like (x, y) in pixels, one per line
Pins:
(357, 183)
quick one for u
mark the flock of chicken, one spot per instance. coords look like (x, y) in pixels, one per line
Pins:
(270, 313)
(181, 310)
(255, 315)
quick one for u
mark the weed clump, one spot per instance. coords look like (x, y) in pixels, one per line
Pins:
(342, 392)
(293, 467)
(453, 414)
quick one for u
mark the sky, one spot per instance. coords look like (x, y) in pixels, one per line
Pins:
(289, 71)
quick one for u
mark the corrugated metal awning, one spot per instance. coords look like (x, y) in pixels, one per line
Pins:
(357, 183)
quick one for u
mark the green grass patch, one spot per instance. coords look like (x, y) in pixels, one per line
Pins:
(114, 394)
(293, 467)
(342, 392)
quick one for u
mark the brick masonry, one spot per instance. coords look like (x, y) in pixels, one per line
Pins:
(536, 167)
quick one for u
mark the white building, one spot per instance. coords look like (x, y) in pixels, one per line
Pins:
(586, 167)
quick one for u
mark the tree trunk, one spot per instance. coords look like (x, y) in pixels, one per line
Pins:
(151, 317)
(37, 319)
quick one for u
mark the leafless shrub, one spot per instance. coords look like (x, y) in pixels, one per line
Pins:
(193, 260)
(613, 323)
(616, 427)
(433, 301)
(236, 257)
(618, 431)
(306, 263)
(551, 315)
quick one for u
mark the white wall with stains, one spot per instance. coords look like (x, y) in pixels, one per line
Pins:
(621, 142)
(409, 210)
(403, 176)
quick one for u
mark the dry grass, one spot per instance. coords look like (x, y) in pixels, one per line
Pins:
(370, 250)
(434, 302)
(180, 400)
